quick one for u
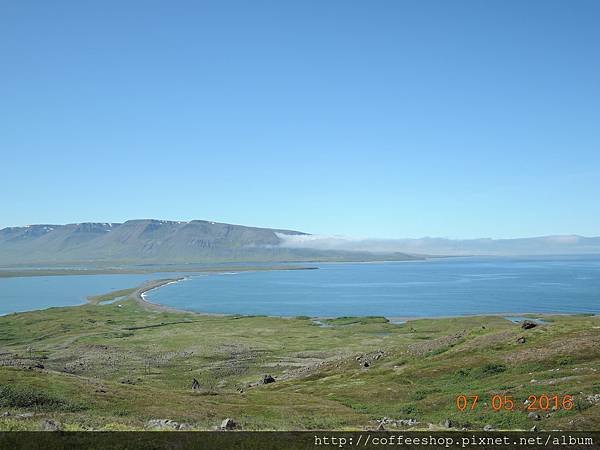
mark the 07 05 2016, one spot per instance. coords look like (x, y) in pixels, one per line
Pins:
(498, 402)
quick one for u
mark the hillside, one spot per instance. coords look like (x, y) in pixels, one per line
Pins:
(103, 366)
(159, 241)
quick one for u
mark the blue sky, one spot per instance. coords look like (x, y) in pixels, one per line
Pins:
(381, 119)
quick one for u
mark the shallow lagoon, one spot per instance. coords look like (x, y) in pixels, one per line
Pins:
(29, 293)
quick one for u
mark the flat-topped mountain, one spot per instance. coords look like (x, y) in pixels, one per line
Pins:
(159, 241)
(150, 241)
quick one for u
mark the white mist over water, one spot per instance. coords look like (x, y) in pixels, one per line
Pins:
(546, 245)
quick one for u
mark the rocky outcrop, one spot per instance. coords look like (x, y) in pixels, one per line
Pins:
(167, 424)
(49, 425)
(268, 379)
(228, 424)
(528, 324)
(386, 421)
(593, 399)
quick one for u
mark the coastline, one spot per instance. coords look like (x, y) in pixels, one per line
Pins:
(139, 296)
(17, 273)
(138, 293)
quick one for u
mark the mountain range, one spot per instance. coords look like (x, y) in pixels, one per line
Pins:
(150, 241)
(161, 242)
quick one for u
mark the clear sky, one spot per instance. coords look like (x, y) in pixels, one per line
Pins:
(382, 119)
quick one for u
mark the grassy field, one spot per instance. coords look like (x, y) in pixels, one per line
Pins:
(119, 365)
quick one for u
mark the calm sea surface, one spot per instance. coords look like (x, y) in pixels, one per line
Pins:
(442, 287)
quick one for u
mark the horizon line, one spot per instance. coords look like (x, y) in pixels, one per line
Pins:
(337, 236)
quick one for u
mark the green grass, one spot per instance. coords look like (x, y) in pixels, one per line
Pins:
(110, 296)
(27, 397)
(109, 367)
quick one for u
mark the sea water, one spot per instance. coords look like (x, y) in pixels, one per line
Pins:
(437, 287)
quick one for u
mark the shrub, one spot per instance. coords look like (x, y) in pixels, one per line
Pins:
(493, 368)
(26, 397)
(419, 395)
(463, 373)
(408, 410)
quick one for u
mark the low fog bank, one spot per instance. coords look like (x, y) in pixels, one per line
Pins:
(546, 245)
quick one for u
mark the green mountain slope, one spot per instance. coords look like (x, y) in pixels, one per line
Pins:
(159, 241)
